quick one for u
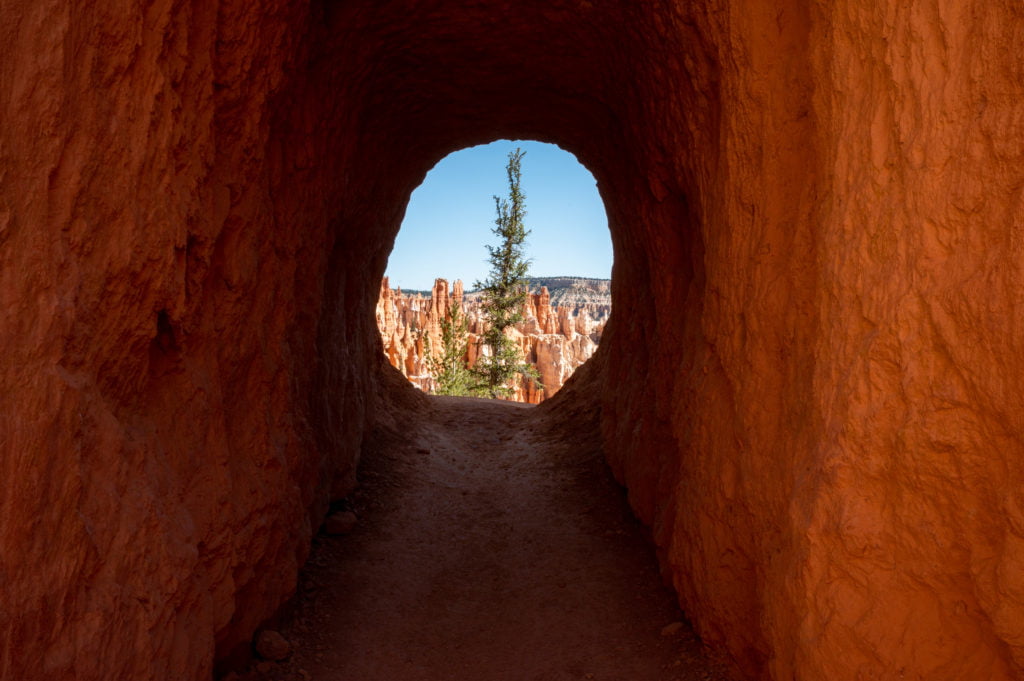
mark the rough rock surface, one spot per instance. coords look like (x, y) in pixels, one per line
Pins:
(555, 341)
(814, 397)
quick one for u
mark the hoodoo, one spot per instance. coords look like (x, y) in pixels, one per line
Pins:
(554, 341)
(812, 391)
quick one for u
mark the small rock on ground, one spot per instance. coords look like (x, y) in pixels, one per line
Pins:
(341, 522)
(270, 645)
(671, 629)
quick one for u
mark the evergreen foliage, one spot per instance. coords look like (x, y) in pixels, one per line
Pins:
(449, 369)
(505, 290)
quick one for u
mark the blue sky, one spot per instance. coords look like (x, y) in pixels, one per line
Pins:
(449, 218)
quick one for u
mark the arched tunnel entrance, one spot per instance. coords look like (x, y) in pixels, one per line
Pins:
(429, 95)
(485, 539)
(813, 403)
(441, 261)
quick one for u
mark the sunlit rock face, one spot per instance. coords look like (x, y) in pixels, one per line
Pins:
(811, 386)
(554, 341)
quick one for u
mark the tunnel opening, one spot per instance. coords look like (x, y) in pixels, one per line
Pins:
(458, 503)
(430, 96)
(405, 426)
(446, 231)
(621, 392)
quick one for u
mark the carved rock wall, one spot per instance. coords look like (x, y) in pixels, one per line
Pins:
(813, 396)
(178, 395)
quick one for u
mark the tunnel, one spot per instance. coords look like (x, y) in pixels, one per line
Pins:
(810, 386)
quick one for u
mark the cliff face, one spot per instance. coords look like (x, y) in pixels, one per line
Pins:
(554, 340)
(811, 385)
(570, 291)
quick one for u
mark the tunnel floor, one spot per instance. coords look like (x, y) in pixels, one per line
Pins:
(492, 544)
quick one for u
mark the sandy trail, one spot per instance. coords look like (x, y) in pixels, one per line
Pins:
(488, 548)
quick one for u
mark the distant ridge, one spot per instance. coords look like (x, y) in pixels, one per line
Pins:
(568, 280)
(564, 290)
(574, 290)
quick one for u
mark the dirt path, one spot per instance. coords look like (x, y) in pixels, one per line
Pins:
(488, 549)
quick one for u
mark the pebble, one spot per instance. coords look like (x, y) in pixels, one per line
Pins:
(266, 667)
(671, 629)
(271, 645)
(341, 522)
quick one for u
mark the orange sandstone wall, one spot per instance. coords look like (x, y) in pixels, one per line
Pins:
(832, 468)
(170, 425)
(914, 533)
(813, 396)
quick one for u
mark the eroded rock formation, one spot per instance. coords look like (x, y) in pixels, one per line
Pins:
(555, 341)
(813, 396)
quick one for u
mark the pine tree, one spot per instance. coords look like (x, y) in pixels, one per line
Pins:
(449, 369)
(505, 290)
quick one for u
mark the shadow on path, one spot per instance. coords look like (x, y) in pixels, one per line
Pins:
(493, 545)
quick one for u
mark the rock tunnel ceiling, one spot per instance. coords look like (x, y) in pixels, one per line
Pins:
(814, 405)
